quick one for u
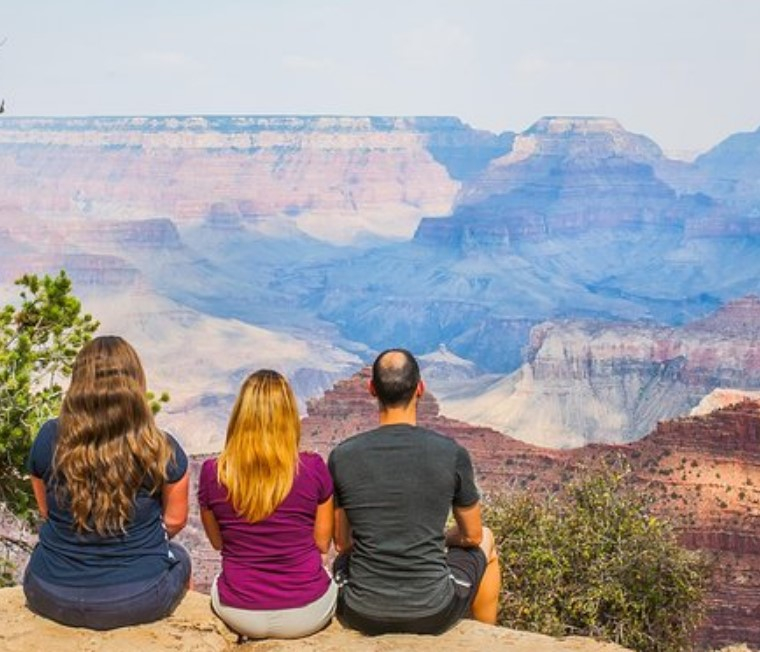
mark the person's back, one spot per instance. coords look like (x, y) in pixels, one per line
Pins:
(397, 485)
(252, 576)
(394, 488)
(268, 508)
(111, 489)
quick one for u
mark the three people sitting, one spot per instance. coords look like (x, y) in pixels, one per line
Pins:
(112, 490)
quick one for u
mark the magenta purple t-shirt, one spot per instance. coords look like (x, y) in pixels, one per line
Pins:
(273, 563)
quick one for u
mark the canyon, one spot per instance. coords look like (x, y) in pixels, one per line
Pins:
(219, 244)
(573, 295)
(328, 174)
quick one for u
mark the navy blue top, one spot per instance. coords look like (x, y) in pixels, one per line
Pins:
(70, 558)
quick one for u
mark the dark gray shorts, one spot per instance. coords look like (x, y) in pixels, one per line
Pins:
(118, 605)
(467, 566)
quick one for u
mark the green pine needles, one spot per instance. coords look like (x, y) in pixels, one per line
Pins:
(39, 339)
(592, 560)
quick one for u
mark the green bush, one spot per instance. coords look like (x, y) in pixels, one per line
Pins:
(6, 573)
(592, 560)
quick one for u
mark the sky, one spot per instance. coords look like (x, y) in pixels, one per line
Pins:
(683, 72)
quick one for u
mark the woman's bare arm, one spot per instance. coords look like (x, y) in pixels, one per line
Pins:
(40, 495)
(211, 526)
(175, 505)
(323, 525)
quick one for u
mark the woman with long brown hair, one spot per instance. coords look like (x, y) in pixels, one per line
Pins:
(112, 490)
(269, 509)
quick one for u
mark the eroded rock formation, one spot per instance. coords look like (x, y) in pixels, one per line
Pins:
(321, 171)
(590, 381)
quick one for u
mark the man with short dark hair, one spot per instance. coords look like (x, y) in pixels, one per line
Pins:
(394, 488)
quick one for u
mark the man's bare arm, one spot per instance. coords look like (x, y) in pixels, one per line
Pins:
(468, 531)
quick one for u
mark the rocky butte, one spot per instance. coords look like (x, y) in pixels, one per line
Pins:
(585, 381)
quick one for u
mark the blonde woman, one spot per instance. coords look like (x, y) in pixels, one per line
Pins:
(269, 509)
(112, 489)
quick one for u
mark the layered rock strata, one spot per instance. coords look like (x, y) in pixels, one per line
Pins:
(590, 381)
(318, 170)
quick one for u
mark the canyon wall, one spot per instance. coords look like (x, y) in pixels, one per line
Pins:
(585, 381)
(220, 244)
(334, 176)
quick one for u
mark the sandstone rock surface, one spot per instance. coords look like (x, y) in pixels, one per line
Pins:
(194, 628)
(315, 169)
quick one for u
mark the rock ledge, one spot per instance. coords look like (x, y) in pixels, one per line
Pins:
(194, 628)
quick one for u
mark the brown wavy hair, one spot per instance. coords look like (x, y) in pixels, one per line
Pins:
(260, 457)
(108, 443)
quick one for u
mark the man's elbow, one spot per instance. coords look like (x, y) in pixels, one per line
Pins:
(462, 536)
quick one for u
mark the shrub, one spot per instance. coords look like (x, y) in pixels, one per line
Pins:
(592, 560)
(6, 573)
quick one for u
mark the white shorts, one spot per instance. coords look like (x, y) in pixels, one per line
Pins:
(278, 623)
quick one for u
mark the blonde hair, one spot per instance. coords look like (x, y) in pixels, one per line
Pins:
(108, 443)
(260, 456)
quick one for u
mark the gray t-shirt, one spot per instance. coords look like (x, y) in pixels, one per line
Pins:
(397, 484)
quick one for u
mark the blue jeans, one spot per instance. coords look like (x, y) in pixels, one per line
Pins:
(118, 605)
